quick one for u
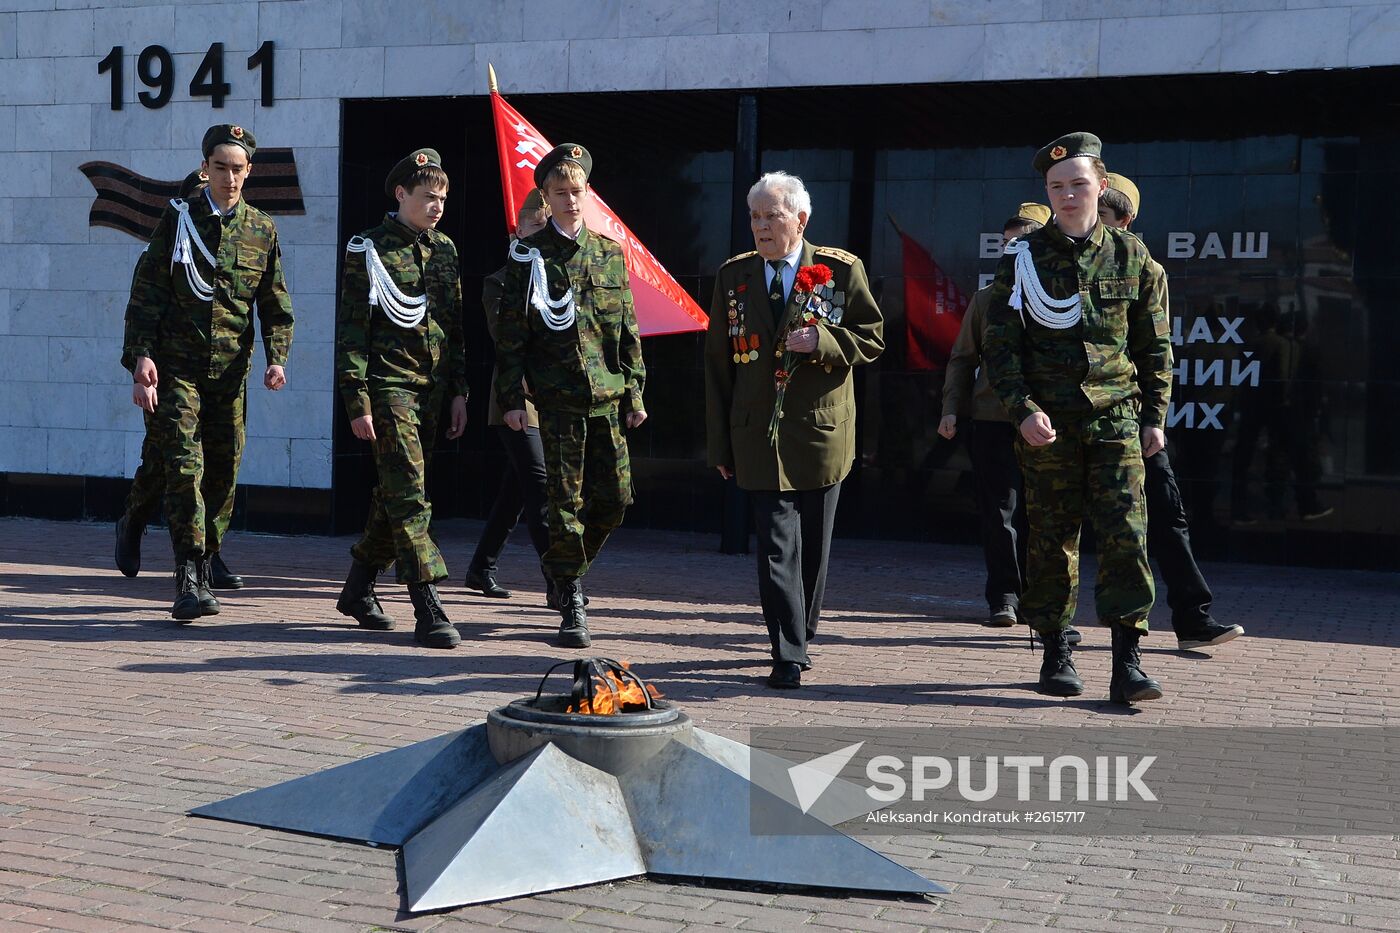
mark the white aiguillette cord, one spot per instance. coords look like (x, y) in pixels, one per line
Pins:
(1054, 313)
(383, 293)
(185, 234)
(548, 307)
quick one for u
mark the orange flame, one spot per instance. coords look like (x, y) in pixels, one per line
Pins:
(629, 696)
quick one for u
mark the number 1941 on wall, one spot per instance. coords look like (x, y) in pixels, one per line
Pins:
(156, 69)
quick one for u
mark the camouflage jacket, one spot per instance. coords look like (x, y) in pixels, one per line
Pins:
(594, 363)
(166, 322)
(491, 288)
(372, 352)
(1120, 349)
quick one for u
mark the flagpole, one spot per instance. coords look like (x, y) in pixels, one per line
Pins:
(507, 193)
(894, 223)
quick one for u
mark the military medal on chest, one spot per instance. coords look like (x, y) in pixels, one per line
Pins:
(743, 343)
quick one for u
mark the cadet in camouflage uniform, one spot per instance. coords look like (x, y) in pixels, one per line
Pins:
(1078, 349)
(148, 485)
(574, 340)
(399, 355)
(190, 338)
(1168, 533)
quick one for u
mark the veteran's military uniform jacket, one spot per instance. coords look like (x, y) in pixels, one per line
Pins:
(817, 435)
(194, 338)
(373, 353)
(1119, 350)
(594, 363)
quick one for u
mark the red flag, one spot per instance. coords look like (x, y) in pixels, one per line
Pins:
(933, 308)
(663, 307)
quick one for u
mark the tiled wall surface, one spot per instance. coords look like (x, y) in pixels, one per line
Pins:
(64, 400)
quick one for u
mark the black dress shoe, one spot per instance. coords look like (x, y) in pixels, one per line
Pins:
(786, 675)
(220, 577)
(1072, 635)
(485, 584)
(1208, 635)
(129, 546)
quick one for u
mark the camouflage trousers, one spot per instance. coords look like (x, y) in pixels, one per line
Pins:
(1092, 470)
(589, 484)
(200, 428)
(405, 428)
(148, 485)
(148, 488)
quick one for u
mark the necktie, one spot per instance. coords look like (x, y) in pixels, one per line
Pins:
(776, 302)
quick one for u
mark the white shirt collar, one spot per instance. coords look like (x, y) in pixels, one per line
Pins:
(560, 230)
(789, 269)
(792, 257)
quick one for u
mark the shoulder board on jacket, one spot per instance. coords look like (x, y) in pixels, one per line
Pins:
(752, 252)
(360, 237)
(438, 238)
(840, 255)
(606, 235)
(1131, 236)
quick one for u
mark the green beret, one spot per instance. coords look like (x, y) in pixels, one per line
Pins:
(228, 134)
(1038, 213)
(1125, 185)
(568, 152)
(191, 183)
(1067, 147)
(409, 164)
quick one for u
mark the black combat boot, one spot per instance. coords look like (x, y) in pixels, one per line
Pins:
(186, 608)
(551, 593)
(208, 604)
(358, 601)
(129, 546)
(1129, 684)
(1057, 674)
(573, 629)
(484, 582)
(220, 577)
(433, 629)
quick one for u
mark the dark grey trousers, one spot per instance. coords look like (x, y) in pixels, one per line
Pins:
(794, 543)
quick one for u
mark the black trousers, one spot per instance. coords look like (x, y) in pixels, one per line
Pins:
(522, 492)
(1001, 507)
(1169, 543)
(794, 544)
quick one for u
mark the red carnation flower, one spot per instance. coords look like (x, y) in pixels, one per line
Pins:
(810, 278)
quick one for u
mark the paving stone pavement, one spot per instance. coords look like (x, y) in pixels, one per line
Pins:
(114, 722)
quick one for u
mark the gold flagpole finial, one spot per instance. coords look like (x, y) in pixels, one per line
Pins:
(491, 78)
